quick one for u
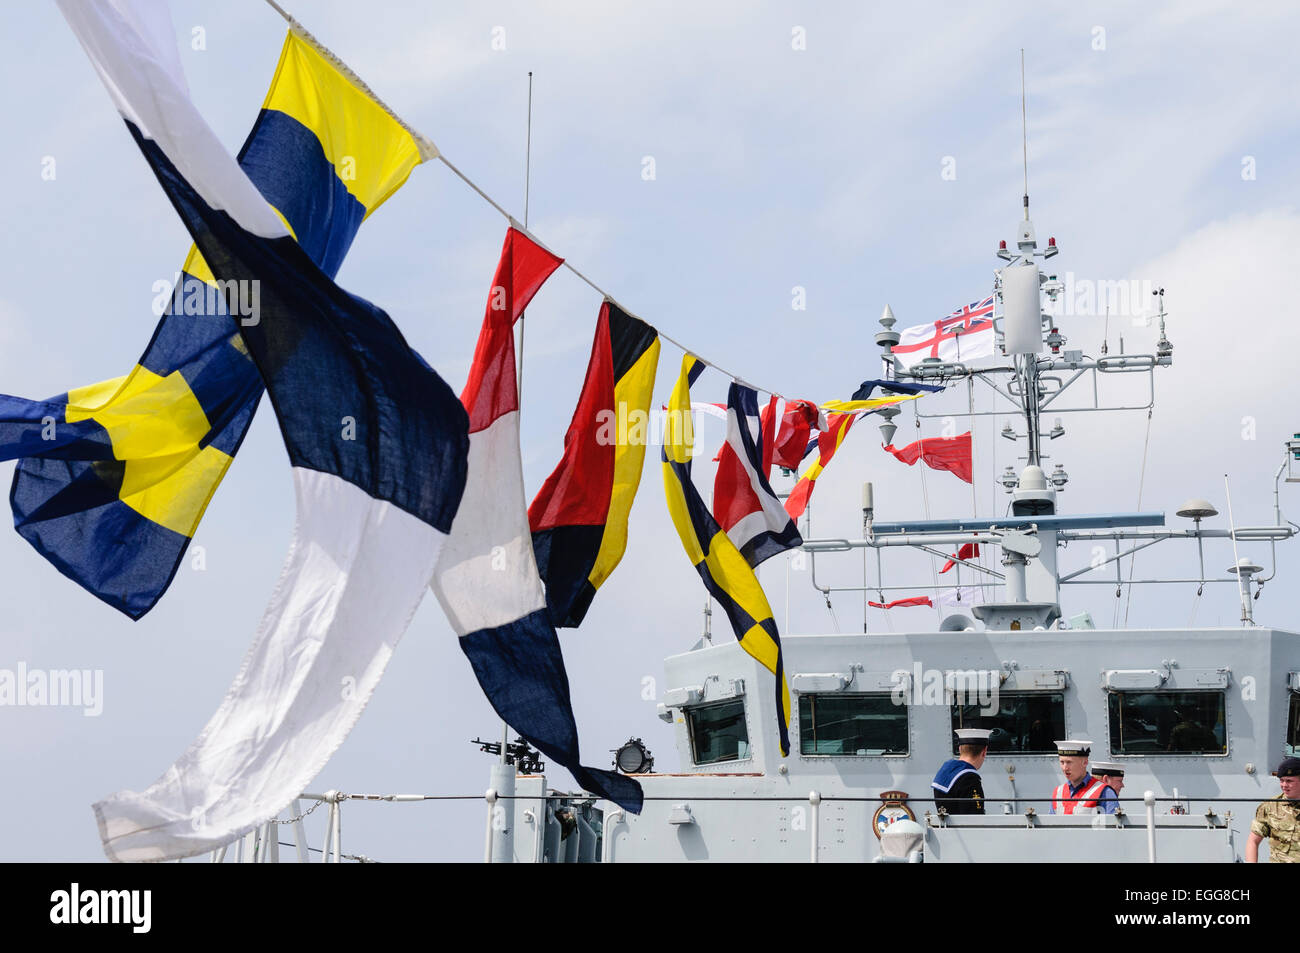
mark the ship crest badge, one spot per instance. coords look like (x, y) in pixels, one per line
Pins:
(893, 807)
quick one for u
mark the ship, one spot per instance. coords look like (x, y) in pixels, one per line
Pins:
(1196, 717)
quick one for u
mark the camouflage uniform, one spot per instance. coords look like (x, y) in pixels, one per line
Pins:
(1278, 819)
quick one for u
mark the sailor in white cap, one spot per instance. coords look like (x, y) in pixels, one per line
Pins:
(957, 787)
(1081, 793)
(1110, 774)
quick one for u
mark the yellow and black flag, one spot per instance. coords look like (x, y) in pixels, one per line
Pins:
(579, 517)
(727, 576)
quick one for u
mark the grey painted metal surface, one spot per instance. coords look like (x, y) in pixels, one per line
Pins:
(756, 808)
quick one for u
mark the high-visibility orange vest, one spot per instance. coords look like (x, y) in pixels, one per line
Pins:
(1085, 802)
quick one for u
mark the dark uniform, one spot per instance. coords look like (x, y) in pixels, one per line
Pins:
(958, 788)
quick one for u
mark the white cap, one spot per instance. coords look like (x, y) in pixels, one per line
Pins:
(1099, 768)
(1073, 747)
(973, 736)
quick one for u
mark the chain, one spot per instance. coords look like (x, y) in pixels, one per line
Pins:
(294, 820)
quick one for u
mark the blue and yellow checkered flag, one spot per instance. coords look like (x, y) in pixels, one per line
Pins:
(115, 477)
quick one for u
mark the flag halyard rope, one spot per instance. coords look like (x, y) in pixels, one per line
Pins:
(430, 151)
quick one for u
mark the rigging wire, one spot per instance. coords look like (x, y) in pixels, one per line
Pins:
(528, 176)
(430, 151)
(925, 499)
(1146, 443)
(974, 469)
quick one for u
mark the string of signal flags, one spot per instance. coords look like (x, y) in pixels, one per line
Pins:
(412, 489)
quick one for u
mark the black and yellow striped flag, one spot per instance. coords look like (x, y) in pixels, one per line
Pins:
(727, 576)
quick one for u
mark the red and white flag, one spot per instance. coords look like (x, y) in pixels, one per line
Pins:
(743, 502)
(964, 335)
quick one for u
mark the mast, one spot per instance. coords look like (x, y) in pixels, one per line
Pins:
(1027, 364)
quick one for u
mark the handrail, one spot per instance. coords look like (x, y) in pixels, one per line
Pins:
(332, 849)
(1181, 798)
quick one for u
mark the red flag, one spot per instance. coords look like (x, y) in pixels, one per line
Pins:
(914, 601)
(828, 441)
(491, 390)
(796, 430)
(967, 551)
(939, 453)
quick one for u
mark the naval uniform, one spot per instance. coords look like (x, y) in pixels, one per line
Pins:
(958, 788)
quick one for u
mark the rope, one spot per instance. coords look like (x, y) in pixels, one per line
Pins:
(427, 149)
(1141, 482)
(528, 175)
(359, 858)
(430, 151)
(925, 499)
(970, 411)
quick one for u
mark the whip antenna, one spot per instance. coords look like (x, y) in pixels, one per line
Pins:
(1024, 131)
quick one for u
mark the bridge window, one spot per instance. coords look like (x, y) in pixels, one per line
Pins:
(1167, 723)
(850, 724)
(1293, 726)
(1025, 722)
(718, 732)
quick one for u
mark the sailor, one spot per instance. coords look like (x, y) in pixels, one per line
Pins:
(1109, 773)
(1278, 819)
(957, 787)
(1081, 793)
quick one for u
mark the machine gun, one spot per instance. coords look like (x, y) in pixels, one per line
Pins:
(525, 759)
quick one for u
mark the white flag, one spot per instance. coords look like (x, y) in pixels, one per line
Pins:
(962, 597)
(963, 336)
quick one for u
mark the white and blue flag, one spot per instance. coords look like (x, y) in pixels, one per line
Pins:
(378, 446)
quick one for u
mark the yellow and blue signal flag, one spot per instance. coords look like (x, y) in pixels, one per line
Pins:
(114, 477)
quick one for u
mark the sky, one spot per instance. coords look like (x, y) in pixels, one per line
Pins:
(833, 154)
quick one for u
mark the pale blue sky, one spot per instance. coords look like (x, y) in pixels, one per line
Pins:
(776, 168)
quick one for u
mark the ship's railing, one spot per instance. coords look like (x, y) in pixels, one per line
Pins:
(263, 844)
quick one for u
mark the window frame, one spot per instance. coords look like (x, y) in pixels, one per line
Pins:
(1059, 693)
(690, 713)
(1227, 733)
(889, 696)
(1292, 730)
